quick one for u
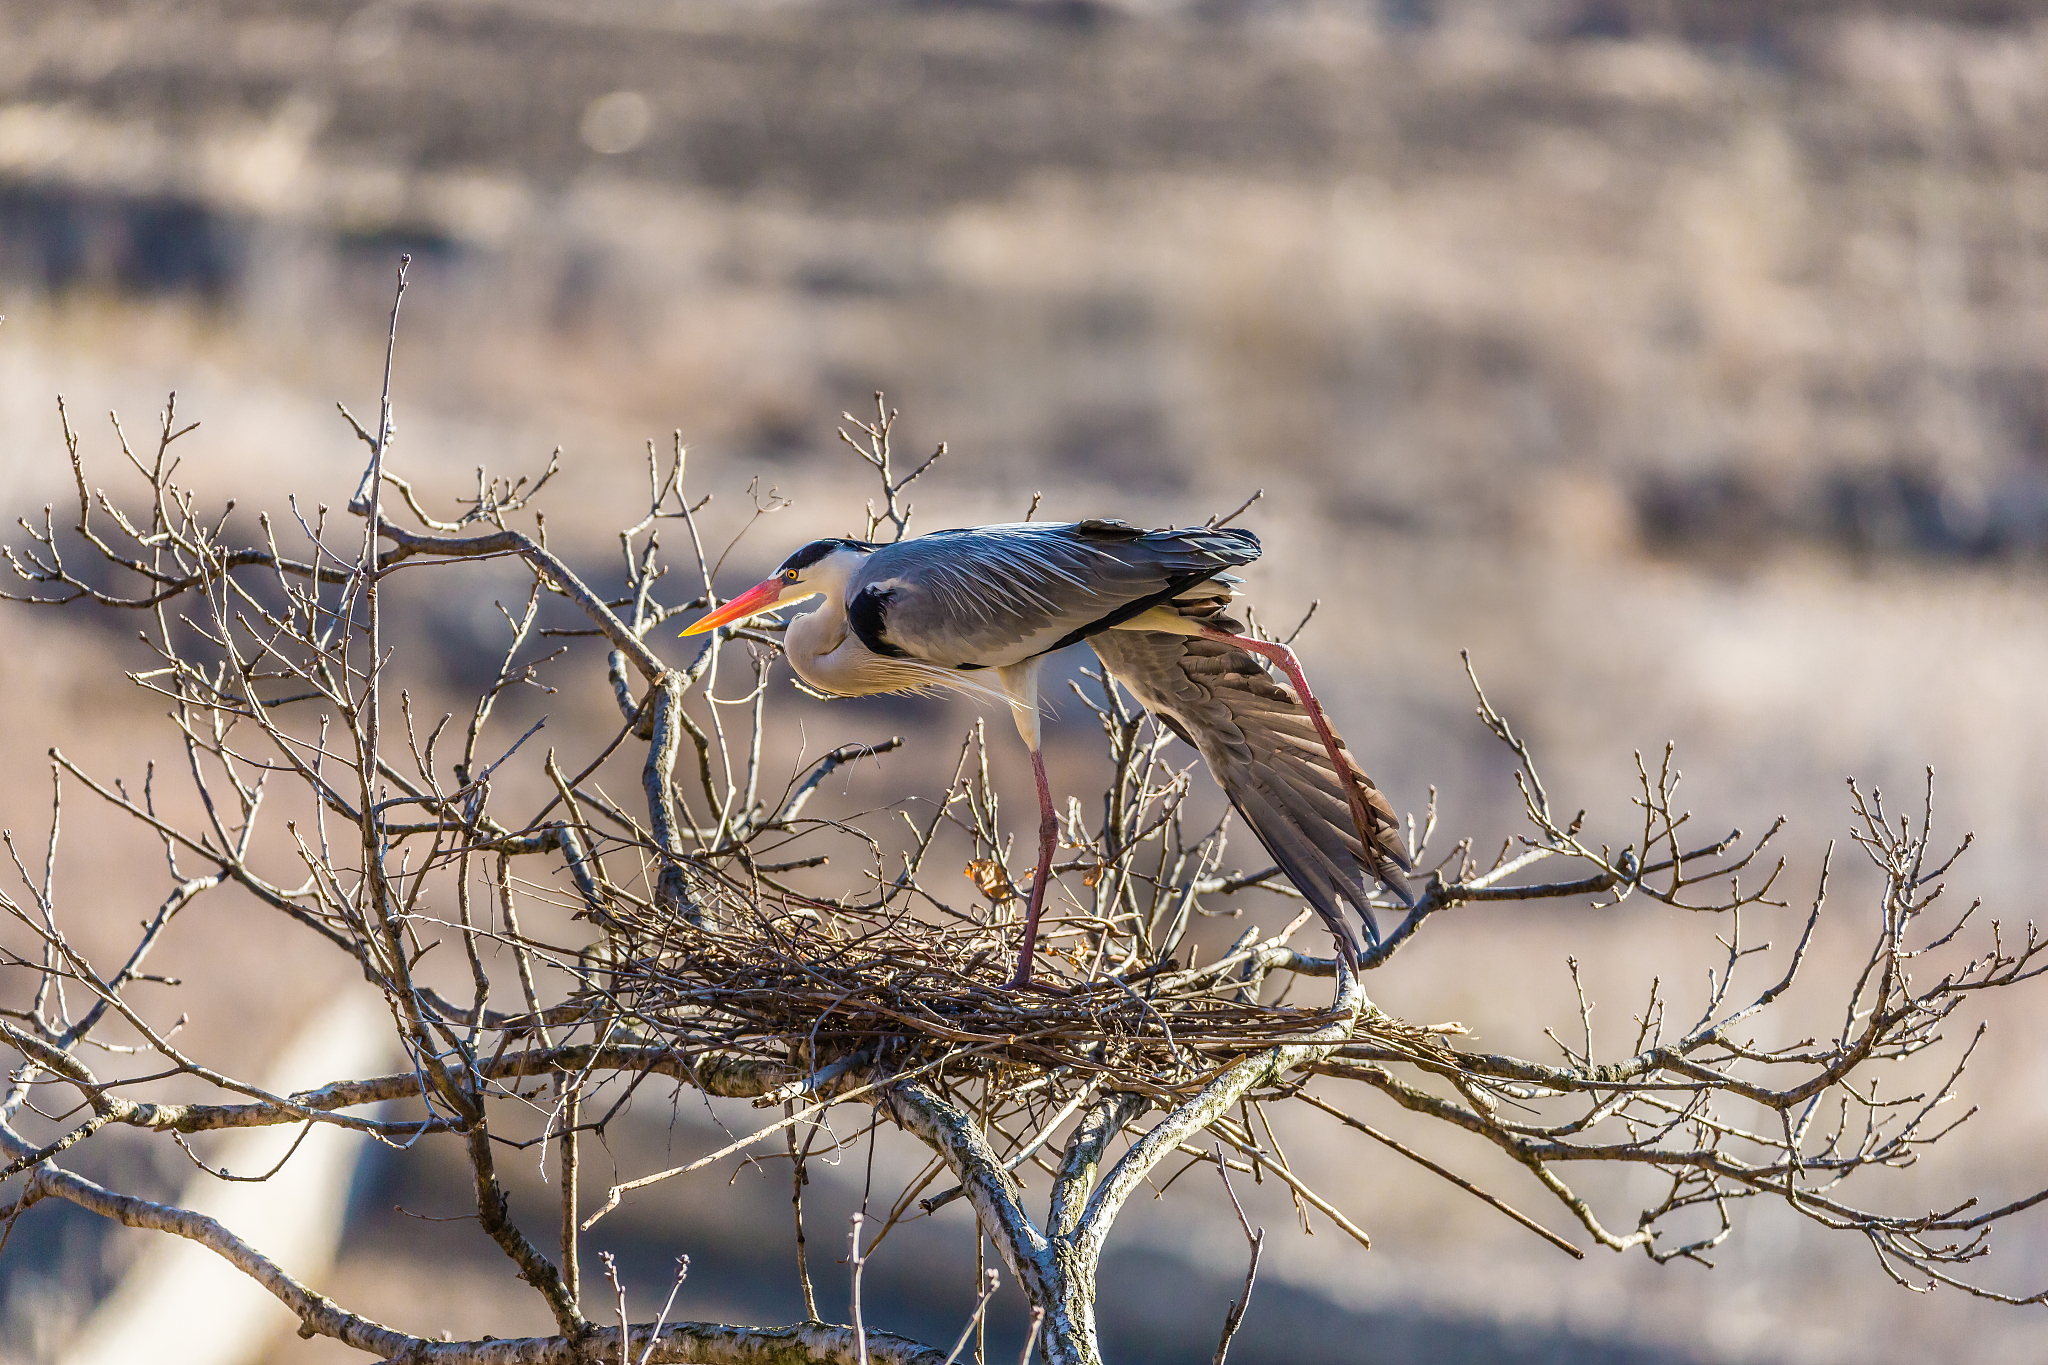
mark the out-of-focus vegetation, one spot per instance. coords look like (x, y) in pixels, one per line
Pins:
(1687, 361)
(1715, 274)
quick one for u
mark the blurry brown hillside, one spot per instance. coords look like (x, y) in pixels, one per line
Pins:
(1707, 273)
(1687, 360)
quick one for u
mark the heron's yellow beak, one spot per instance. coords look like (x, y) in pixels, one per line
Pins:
(752, 602)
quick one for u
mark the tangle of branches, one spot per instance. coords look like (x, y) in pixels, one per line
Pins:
(664, 905)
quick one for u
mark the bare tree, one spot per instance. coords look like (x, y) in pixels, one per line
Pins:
(715, 963)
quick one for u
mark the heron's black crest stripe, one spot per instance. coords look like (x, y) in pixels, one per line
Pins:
(817, 550)
(865, 614)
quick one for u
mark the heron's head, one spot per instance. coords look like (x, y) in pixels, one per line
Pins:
(820, 566)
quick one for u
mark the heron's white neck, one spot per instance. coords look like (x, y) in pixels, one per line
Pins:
(814, 635)
(824, 651)
(818, 643)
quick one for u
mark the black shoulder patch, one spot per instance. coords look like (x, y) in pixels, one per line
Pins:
(1106, 528)
(1130, 610)
(865, 613)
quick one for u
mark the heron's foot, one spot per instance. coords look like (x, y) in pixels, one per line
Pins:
(1024, 981)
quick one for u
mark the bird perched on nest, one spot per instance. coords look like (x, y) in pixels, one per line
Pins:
(928, 611)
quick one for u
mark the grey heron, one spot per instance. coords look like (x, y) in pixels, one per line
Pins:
(925, 612)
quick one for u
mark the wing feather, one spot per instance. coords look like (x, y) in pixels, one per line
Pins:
(1257, 739)
(991, 596)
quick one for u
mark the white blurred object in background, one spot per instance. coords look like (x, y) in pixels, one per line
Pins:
(180, 1304)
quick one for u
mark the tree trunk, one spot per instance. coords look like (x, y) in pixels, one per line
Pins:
(1068, 1336)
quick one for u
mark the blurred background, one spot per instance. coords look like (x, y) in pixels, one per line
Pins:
(1685, 360)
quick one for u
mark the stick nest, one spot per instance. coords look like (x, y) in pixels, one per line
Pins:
(830, 986)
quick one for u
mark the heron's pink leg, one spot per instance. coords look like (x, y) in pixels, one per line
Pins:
(1283, 656)
(1048, 840)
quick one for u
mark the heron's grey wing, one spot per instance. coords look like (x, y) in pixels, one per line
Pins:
(1264, 751)
(990, 596)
